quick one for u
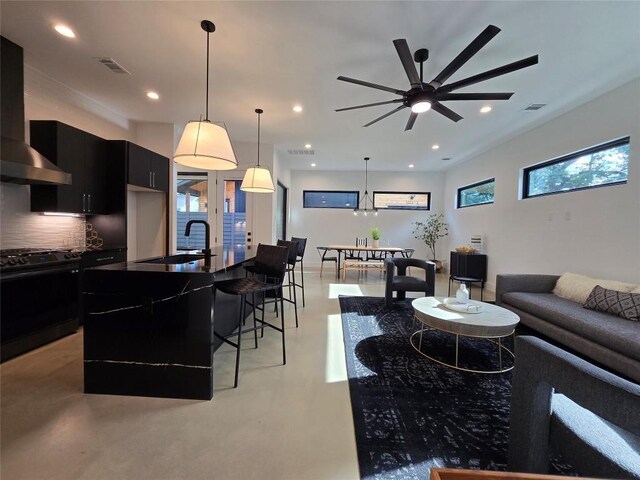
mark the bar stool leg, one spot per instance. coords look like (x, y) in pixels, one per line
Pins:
(255, 323)
(302, 281)
(284, 350)
(295, 297)
(240, 322)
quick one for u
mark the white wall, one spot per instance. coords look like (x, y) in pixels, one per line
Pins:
(336, 226)
(594, 232)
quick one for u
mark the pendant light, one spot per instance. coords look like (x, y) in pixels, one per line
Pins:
(257, 179)
(205, 144)
(365, 198)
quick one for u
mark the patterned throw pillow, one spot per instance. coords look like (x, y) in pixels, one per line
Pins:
(625, 305)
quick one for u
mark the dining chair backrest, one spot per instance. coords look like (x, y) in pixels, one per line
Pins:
(361, 242)
(302, 245)
(292, 248)
(271, 260)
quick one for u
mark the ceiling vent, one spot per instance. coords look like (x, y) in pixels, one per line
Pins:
(306, 151)
(534, 106)
(112, 65)
(446, 158)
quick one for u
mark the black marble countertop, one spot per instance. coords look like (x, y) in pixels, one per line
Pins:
(222, 258)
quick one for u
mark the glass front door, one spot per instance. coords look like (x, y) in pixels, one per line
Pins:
(192, 199)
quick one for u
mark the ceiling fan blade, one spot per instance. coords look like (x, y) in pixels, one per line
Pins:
(474, 96)
(370, 85)
(371, 105)
(385, 115)
(411, 121)
(464, 56)
(496, 72)
(407, 61)
(447, 112)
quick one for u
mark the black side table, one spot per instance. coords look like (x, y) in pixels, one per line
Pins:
(468, 268)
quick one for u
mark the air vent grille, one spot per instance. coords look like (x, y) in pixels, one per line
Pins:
(112, 65)
(534, 106)
(446, 158)
(306, 151)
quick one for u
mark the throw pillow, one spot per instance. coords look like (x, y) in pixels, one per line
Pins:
(625, 305)
(577, 288)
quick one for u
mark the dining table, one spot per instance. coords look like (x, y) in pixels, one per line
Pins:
(353, 248)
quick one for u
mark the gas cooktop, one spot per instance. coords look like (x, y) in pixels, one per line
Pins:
(23, 258)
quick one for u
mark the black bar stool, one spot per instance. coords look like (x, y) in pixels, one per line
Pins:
(291, 274)
(302, 245)
(271, 264)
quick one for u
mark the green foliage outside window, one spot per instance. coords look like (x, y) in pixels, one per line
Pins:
(591, 168)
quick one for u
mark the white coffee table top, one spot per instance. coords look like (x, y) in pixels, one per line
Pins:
(493, 321)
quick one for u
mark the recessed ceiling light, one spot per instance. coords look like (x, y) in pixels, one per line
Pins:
(297, 108)
(153, 95)
(485, 109)
(313, 164)
(307, 146)
(411, 166)
(435, 147)
(64, 31)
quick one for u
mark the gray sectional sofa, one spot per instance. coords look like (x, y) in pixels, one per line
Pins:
(607, 339)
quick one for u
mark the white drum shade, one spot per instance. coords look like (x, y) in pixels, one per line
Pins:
(257, 180)
(206, 145)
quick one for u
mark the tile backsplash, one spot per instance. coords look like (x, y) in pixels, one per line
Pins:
(20, 228)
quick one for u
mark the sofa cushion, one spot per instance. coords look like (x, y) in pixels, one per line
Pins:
(613, 332)
(625, 305)
(573, 286)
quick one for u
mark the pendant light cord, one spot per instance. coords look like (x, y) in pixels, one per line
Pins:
(206, 115)
(258, 139)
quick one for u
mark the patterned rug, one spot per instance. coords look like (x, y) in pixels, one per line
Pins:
(412, 414)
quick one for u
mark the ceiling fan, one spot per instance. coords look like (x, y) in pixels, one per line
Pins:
(422, 96)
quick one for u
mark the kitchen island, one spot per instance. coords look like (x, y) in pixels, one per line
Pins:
(148, 324)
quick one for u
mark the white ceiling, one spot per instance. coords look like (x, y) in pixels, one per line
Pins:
(273, 55)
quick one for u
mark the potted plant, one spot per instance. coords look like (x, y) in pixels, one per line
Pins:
(430, 232)
(375, 237)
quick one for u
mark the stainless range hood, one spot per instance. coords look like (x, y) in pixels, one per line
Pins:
(19, 163)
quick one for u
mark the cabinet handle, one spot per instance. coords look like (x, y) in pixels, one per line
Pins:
(150, 181)
(103, 259)
(89, 202)
(84, 202)
(154, 179)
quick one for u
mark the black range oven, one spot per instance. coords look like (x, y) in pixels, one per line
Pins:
(39, 298)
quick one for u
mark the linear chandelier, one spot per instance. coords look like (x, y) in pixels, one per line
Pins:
(365, 199)
(204, 144)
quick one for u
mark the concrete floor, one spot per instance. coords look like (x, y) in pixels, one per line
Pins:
(282, 422)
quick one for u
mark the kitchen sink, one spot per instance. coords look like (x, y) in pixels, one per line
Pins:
(175, 259)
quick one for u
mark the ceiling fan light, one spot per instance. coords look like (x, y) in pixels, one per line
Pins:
(421, 106)
(205, 145)
(257, 180)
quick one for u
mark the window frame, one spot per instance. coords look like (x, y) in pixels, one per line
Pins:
(428, 194)
(351, 207)
(473, 185)
(577, 154)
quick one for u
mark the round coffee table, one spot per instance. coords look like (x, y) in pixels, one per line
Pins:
(493, 323)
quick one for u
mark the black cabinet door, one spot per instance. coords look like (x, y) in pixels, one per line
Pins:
(64, 146)
(159, 172)
(95, 174)
(469, 265)
(139, 166)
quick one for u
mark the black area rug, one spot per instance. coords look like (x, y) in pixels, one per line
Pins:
(410, 413)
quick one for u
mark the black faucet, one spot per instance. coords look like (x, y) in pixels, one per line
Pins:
(207, 234)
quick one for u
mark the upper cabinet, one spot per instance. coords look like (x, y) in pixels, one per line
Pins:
(79, 153)
(146, 168)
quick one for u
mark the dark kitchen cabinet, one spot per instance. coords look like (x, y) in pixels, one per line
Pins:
(79, 153)
(146, 168)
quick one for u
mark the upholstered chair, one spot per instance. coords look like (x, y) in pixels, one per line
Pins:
(399, 281)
